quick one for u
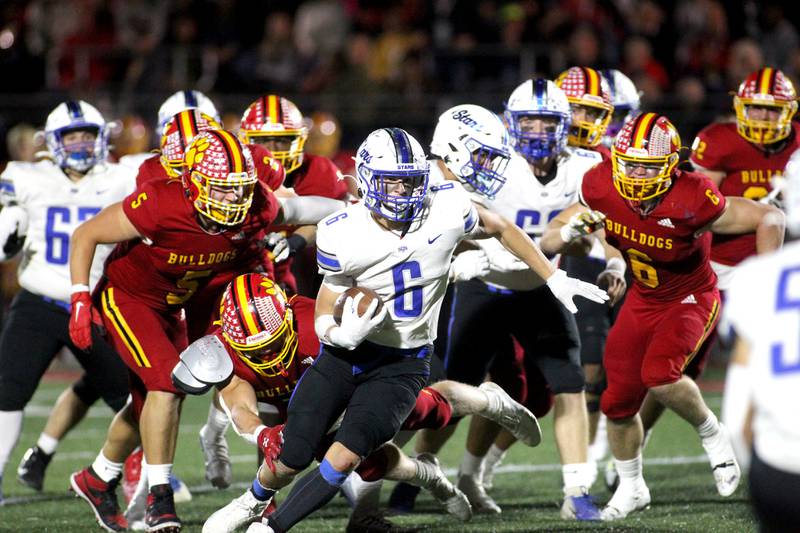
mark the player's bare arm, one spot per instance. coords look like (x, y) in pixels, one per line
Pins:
(581, 222)
(239, 400)
(715, 175)
(110, 226)
(742, 215)
(304, 210)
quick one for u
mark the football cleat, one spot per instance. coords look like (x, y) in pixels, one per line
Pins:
(403, 498)
(511, 415)
(217, 459)
(160, 514)
(32, 468)
(240, 512)
(481, 502)
(723, 461)
(580, 507)
(455, 502)
(101, 497)
(628, 497)
(259, 527)
(373, 522)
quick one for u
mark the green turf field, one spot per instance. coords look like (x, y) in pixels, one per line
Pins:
(528, 489)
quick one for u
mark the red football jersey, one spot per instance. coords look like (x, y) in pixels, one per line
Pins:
(151, 169)
(176, 258)
(663, 254)
(277, 390)
(603, 151)
(748, 171)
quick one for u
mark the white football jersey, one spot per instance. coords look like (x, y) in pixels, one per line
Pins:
(134, 161)
(55, 206)
(763, 307)
(409, 272)
(531, 206)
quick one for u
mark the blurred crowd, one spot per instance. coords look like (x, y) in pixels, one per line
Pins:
(402, 60)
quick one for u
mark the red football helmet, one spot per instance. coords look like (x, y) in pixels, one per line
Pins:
(644, 157)
(220, 176)
(765, 92)
(258, 324)
(276, 121)
(587, 92)
(178, 133)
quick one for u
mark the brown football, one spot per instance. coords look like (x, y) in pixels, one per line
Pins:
(369, 295)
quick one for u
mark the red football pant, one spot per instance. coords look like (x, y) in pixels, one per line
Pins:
(650, 344)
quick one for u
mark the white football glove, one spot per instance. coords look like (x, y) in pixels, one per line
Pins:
(354, 328)
(565, 288)
(581, 224)
(277, 243)
(468, 265)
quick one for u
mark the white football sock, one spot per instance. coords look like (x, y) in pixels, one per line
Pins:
(494, 456)
(105, 469)
(158, 474)
(709, 428)
(471, 465)
(11, 422)
(577, 477)
(47, 444)
(630, 471)
(216, 424)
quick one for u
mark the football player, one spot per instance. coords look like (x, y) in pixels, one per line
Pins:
(276, 123)
(591, 109)
(661, 219)
(180, 243)
(372, 366)
(43, 203)
(625, 98)
(763, 382)
(743, 157)
(268, 341)
(542, 178)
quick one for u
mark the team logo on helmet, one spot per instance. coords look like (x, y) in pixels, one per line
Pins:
(644, 158)
(178, 133)
(276, 122)
(590, 99)
(765, 104)
(257, 322)
(220, 177)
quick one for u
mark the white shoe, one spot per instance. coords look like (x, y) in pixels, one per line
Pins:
(217, 459)
(629, 497)
(135, 512)
(259, 527)
(454, 501)
(481, 502)
(723, 461)
(511, 415)
(239, 513)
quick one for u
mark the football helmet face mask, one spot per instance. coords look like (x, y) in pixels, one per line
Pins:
(392, 173)
(276, 120)
(69, 117)
(765, 104)
(182, 100)
(474, 145)
(644, 158)
(625, 98)
(538, 98)
(220, 177)
(258, 324)
(588, 95)
(178, 133)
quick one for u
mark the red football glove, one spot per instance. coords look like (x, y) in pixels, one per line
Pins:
(81, 319)
(270, 441)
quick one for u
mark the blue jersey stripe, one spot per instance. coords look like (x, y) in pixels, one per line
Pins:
(328, 262)
(7, 186)
(470, 220)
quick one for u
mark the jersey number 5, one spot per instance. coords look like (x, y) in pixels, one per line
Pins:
(785, 302)
(189, 283)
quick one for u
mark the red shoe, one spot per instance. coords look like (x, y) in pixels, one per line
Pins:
(101, 497)
(160, 514)
(131, 471)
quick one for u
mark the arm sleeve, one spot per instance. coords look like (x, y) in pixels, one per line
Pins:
(8, 189)
(141, 208)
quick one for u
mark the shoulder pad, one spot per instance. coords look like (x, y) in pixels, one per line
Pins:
(203, 364)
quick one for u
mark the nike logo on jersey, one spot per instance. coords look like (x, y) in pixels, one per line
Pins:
(102, 192)
(689, 300)
(431, 241)
(667, 223)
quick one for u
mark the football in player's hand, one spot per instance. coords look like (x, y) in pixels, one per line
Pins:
(369, 295)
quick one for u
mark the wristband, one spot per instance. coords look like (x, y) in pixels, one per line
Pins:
(616, 264)
(567, 233)
(257, 432)
(322, 326)
(79, 287)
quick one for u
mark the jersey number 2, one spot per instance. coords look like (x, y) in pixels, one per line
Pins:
(785, 302)
(56, 249)
(399, 272)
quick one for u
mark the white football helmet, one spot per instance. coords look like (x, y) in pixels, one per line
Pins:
(626, 99)
(388, 156)
(791, 193)
(70, 116)
(538, 97)
(474, 145)
(185, 100)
